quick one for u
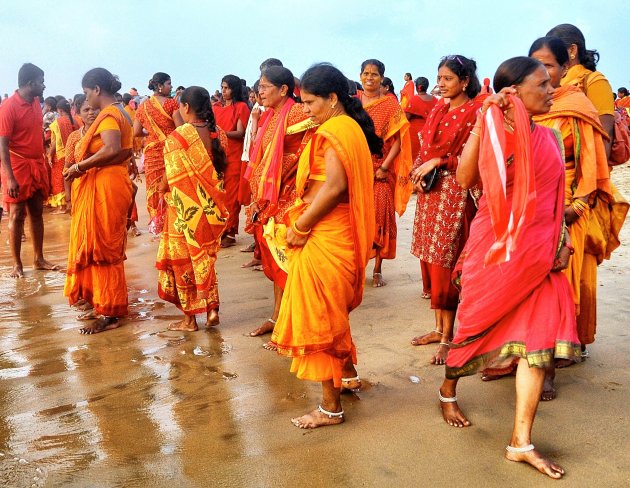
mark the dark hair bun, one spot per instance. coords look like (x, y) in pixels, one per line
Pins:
(116, 84)
(151, 85)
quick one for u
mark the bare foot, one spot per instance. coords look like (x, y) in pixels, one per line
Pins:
(426, 295)
(270, 346)
(212, 319)
(101, 325)
(377, 280)
(430, 338)
(535, 459)
(440, 355)
(135, 231)
(184, 325)
(453, 415)
(265, 328)
(352, 383)
(59, 210)
(249, 248)
(228, 241)
(89, 314)
(17, 271)
(564, 363)
(46, 265)
(258, 267)
(317, 418)
(549, 391)
(253, 262)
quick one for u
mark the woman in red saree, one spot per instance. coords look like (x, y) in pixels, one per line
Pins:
(392, 187)
(101, 203)
(284, 132)
(195, 162)
(444, 213)
(156, 118)
(518, 240)
(329, 233)
(232, 114)
(417, 111)
(60, 129)
(407, 92)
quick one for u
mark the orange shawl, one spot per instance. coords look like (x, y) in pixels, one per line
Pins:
(573, 114)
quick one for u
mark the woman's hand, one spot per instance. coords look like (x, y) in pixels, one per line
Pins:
(381, 174)
(499, 99)
(562, 261)
(421, 171)
(72, 172)
(294, 240)
(256, 114)
(570, 215)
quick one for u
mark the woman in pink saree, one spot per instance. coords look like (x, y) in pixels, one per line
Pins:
(515, 302)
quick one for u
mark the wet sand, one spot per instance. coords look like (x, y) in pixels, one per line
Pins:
(141, 406)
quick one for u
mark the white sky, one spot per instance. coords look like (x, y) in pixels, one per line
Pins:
(197, 42)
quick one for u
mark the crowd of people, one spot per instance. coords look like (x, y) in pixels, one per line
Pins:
(512, 185)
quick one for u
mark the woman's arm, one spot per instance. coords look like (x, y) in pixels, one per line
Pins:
(330, 194)
(111, 153)
(381, 172)
(177, 118)
(239, 133)
(138, 130)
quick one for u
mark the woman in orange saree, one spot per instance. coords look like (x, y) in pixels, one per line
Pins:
(607, 215)
(281, 138)
(517, 240)
(195, 161)
(417, 112)
(392, 187)
(102, 199)
(329, 233)
(587, 177)
(232, 114)
(444, 213)
(156, 118)
(60, 129)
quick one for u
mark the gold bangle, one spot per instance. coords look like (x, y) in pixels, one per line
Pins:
(299, 232)
(474, 133)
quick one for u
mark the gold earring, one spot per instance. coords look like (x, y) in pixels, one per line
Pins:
(333, 106)
(572, 56)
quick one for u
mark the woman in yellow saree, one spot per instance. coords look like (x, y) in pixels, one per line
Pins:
(329, 233)
(101, 202)
(196, 216)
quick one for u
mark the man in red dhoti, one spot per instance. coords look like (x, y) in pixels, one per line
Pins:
(24, 174)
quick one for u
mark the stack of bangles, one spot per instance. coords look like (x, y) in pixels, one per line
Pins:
(299, 232)
(77, 169)
(579, 206)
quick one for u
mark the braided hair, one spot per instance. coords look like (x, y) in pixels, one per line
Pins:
(322, 79)
(198, 99)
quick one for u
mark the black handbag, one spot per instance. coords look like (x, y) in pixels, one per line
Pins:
(430, 179)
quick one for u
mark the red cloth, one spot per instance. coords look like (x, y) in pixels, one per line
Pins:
(518, 308)
(419, 110)
(21, 122)
(227, 118)
(508, 219)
